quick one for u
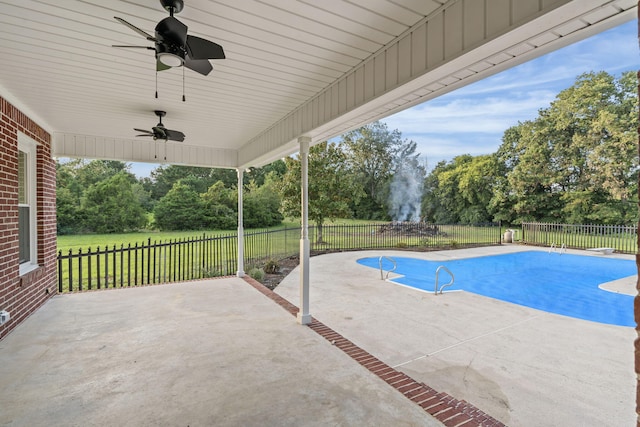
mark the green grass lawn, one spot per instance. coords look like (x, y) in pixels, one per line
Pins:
(86, 241)
(107, 261)
(93, 241)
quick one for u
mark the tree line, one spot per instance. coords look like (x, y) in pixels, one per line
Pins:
(576, 162)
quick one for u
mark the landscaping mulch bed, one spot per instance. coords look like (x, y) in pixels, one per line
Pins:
(285, 265)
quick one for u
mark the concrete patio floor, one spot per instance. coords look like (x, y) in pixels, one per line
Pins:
(522, 366)
(205, 353)
(221, 352)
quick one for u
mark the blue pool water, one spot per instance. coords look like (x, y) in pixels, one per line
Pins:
(563, 284)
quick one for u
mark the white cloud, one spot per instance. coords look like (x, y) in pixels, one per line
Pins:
(455, 114)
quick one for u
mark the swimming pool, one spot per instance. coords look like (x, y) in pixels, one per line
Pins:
(564, 284)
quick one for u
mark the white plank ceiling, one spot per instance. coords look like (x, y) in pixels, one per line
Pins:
(294, 67)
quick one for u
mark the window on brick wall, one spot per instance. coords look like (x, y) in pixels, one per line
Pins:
(27, 231)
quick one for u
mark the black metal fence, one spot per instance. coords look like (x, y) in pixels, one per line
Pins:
(622, 238)
(147, 263)
(210, 256)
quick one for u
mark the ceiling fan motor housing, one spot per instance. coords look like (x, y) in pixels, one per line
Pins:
(172, 6)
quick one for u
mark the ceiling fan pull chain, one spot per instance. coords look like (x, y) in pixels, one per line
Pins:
(156, 84)
(183, 97)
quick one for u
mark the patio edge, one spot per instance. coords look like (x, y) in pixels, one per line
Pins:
(445, 408)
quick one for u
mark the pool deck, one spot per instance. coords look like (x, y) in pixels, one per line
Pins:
(522, 366)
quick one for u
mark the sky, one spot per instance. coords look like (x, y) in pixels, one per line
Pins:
(472, 120)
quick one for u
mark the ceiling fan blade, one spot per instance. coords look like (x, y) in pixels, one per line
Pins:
(136, 29)
(149, 135)
(172, 30)
(174, 135)
(201, 66)
(135, 47)
(160, 66)
(199, 48)
(143, 131)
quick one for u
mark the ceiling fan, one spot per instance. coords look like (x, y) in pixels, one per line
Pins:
(161, 132)
(174, 47)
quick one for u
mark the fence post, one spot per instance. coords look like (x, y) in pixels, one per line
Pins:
(70, 263)
(98, 265)
(89, 278)
(148, 260)
(80, 269)
(60, 271)
(115, 273)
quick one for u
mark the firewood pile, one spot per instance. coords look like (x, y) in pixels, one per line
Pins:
(409, 228)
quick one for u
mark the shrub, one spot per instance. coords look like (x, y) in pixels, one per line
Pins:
(180, 209)
(209, 272)
(271, 267)
(256, 274)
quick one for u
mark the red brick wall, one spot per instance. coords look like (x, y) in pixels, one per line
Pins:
(22, 295)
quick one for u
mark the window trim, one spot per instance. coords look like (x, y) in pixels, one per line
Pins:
(30, 147)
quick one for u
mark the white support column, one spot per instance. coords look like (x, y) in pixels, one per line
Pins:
(304, 318)
(240, 272)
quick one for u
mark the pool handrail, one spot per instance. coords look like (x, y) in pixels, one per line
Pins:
(393, 261)
(442, 267)
(553, 247)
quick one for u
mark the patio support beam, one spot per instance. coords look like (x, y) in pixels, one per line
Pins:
(304, 318)
(240, 272)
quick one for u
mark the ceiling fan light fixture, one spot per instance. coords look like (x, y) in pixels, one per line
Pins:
(170, 59)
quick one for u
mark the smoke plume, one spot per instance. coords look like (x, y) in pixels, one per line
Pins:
(406, 193)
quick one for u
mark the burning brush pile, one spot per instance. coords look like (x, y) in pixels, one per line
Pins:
(410, 228)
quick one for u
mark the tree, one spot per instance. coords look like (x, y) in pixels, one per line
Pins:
(374, 155)
(79, 186)
(259, 175)
(370, 152)
(110, 206)
(332, 188)
(262, 204)
(68, 195)
(460, 190)
(180, 209)
(220, 207)
(507, 157)
(68, 215)
(87, 173)
(200, 179)
(577, 161)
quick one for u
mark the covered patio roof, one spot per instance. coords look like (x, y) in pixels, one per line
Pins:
(293, 68)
